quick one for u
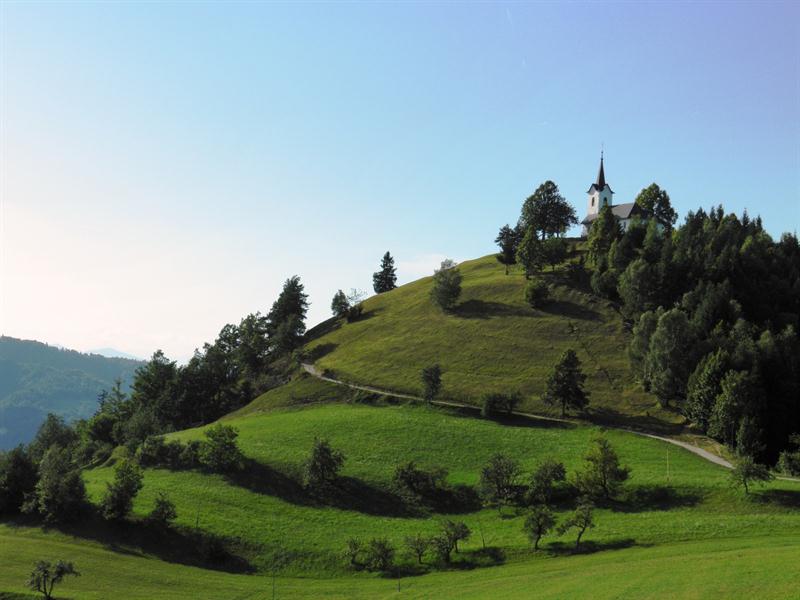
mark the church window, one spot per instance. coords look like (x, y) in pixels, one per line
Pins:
(592, 201)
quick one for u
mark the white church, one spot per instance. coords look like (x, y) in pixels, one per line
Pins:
(600, 195)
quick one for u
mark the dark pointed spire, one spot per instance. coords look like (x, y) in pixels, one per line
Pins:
(601, 176)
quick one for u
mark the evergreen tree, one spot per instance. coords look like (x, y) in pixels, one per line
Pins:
(638, 288)
(287, 316)
(508, 240)
(565, 384)
(385, 280)
(118, 499)
(339, 305)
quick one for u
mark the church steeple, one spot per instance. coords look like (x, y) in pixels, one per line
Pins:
(601, 176)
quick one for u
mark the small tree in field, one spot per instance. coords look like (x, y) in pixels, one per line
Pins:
(538, 523)
(431, 382)
(554, 251)
(507, 239)
(565, 384)
(118, 499)
(603, 475)
(581, 520)
(499, 480)
(45, 576)
(529, 253)
(164, 511)
(379, 554)
(537, 293)
(339, 305)
(747, 472)
(220, 452)
(446, 285)
(385, 280)
(455, 531)
(418, 545)
(352, 550)
(543, 480)
(323, 466)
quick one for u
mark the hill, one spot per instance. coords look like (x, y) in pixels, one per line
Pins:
(492, 342)
(679, 526)
(36, 379)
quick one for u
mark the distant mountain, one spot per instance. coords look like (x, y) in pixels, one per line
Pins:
(36, 378)
(113, 353)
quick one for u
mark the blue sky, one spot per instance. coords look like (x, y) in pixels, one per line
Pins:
(166, 166)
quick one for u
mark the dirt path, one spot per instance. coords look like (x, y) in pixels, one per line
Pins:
(717, 460)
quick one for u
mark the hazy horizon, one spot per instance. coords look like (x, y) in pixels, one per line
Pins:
(165, 167)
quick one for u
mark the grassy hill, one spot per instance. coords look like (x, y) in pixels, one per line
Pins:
(492, 342)
(685, 526)
(36, 379)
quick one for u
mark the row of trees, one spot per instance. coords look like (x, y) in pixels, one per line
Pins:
(706, 337)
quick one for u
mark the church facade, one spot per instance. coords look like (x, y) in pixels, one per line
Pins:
(600, 195)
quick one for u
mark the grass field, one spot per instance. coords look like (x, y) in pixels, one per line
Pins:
(492, 342)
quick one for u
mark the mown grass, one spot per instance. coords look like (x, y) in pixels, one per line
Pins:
(492, 342)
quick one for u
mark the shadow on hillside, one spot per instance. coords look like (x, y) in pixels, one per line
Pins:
(647, 423)
(347, 493)
(566, 308)
(321, 329)
(143, 538)
(521, 421)
(655, 497)
(785, 498)
(480, 309)
(318, 352)
(591, 546)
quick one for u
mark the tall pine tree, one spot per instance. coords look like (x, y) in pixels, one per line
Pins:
(287, 316)
(385, 280)
(565, 384)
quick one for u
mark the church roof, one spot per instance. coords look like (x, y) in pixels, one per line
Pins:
(620, 211)
(600, 184)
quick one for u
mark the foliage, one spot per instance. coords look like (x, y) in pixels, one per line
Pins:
(498, 482)
(565, 384)
(379, 555)
(705, 384)
(545, 476)
(352, 551)
(417, 546)
(118, 499)
(385, 280)
(59, 495)
(537, 293)
(164, 511)
(286, 318)
(554, 251)
(656, 202)
(547, 212)
(581, 520)
(323, 466)
(747, 472)
(339, 305)
(669, 357)
(45, 576)
(454, 532)
(219, 452)
(602, 477)
(529, 253)
(508, 240)
(602, 233)
(416, 485)
(496, 403)
(18, 476)
(789, 459)
(431, 382)
(446, 285)
(538, 523)
(54, 431)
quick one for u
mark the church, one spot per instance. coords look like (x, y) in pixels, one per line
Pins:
(600, 195)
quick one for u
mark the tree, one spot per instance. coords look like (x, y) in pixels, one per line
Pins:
(529, 253)
(545, 476)
(643, 330)
(455, 531)
(220, 451)
(537, 293)
(547, 212)
(446, 285)
(418, 545)
(323, 466)
(339, 304)
(508, 240)
(118, 499)
(443, 547)
(379, 554)
(431, 382)
(353, 548)
(494, 403)
(385, 280)
(45, 576)
(603, 476)
(538, 523)
(670, 356)
(287, 316)
(638, 288)
(739, 395)
(499, 480)
(602, 233)
(554, 251)
(164, 511)
(153, 388)
(17, 479)
(581, 520)
(415, 484)
(355, 305)
(656, 202)
(705, 384)
(747, 472)
(565, 384)
(54, 431)
(60, 494)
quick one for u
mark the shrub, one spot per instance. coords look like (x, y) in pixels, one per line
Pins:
(418, 545)
(190, 454)
(415, 484)
(495, 403)
(60, 494)
(431, 382)
(446, 285)
(220, 452)
(537, 293)
(164, 511)
(352, 550)
(323, 466)
(379, 555)
(118, 499)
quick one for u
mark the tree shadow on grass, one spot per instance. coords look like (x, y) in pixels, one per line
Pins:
(139, 537)
(566, 308)
(483, 557)
(321, 350)
(784, 498)
(647, 423)
(481, 309)
(645, 498)
(591, 546)
(521, 421)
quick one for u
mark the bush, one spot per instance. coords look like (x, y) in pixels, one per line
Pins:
(164, 511)
(493, 404)
(416, 485)
(537, 293)
(323, 466)
(190, 454)
(220, 452)
(543, 481)
(431, 382)
(352, 550)
(379, 555)
(446, 285)
(60, 494)
(118, 499)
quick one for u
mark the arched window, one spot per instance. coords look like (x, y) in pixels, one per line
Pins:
(592, 201)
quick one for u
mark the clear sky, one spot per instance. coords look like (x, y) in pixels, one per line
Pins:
(165, 167)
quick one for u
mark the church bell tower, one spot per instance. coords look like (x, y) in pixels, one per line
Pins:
(600, 194)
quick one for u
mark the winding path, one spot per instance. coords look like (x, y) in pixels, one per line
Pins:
(717, 460)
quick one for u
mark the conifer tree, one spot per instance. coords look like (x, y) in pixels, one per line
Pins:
(385, 280)
(508, 240)
(565, 384)
(287, 316)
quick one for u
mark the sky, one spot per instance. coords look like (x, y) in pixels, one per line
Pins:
(164, 167)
